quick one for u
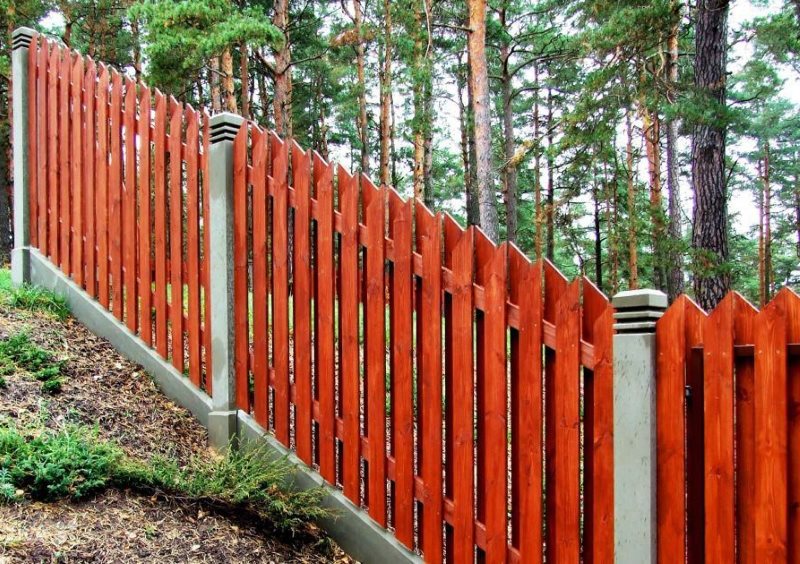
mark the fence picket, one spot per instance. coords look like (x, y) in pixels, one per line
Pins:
(240, 278)
(114, 222)
(160, 236)
(176, 232)
(41, 163)
(771, 417)
(491, 393)
(459, 370)
(301, 292)
(280, 284)
(260, 280)
(429, 380)
(52, 151)
(349, 315)
(77, 124)
(129, 215)
(145, 221)
(598, 427)
(745, 431)
(65, 158)
(193, 244)
(791, 304)
(324, 320)
(401, 312)
(718, 392)
(89, 166)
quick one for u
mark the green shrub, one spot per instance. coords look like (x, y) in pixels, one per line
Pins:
(74, 463)
(19, 353)
(71, 463)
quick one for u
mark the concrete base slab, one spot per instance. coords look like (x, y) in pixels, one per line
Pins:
(222, 429)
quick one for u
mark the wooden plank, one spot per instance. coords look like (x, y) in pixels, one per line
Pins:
(89, 167)
(401, 311)
(78, 119)
(791, 304)
(671, 429)
(429, 380)
(193, 243)
(598, 480)
(718, 394)
(375, 347)
(52, 152)
(115, 196)
(280, 284)
(301, 293)
(745, 432)
(176, 233)
(459, 383)
(33, 139)
(525, 289)
(129, 215)
(42, 147)
(348, 335)
(260, 279)
(145, 220)
(694, 324)
(492, 401)
(65, 158)
(324, 319)
(240, 286)
(771, 417)
(160, 233)
(101, 188)
(206, 267)
(566, 404)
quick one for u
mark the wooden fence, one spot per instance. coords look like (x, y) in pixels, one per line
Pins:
(118, 178)
(457, 391)
(728, 399)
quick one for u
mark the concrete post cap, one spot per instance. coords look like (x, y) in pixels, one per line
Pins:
(22, 38)
(224, 126)
(636, 311)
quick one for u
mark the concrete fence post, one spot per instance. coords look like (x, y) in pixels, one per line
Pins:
(222, 421)
(21, 40)
(635, 517)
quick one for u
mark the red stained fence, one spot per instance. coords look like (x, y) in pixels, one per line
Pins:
(728, 391)
(457, 391)
(118, 178)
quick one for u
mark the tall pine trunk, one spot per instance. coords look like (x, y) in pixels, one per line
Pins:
(227, 81)
(386, 96)
(709, 224)
(652, 140)
(282, 98)
(509, 167)
(479, 78)
(245, 78)
(537, 168)
(633, 259)
(675, 257)
(549, 206)
(363, 130)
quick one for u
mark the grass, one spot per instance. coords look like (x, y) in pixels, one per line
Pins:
(31, 298)
(73, 463)
(19, 353)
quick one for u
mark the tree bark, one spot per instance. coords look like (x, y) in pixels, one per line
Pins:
(633, 260)
(709, 224)
(652, 140)
(245, 78)
(386, 96)
(216, 100)
(479, 78)
(363, 130)
(227, 81)
(549, 206)
(509, 168)
(473, 211)
(675, 257)
(767, 226)
(537, 169)
(282, 99)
